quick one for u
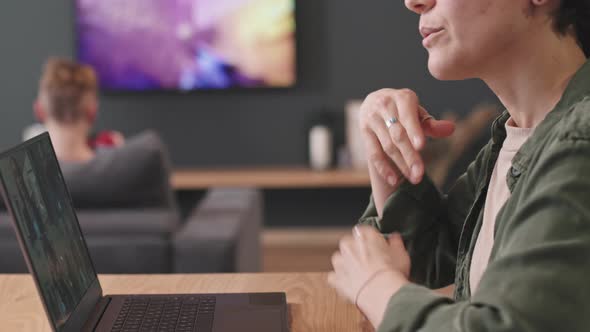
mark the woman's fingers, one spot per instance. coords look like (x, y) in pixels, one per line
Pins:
(395, 127)
(439, 128)
(333, 280)
(347, 246)
(433, 127)
(395, 241)
(389, 145)
(399, 141)
(400, 254)
(380, 162)
(407, 106)
(412, 161)
(337, 262)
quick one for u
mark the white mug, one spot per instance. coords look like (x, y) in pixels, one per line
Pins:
(320, 147)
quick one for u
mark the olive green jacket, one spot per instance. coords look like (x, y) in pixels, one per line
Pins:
(538, 277)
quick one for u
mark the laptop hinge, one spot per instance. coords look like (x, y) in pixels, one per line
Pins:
(97, 313)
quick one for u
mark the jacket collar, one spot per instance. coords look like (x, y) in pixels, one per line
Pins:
(576, 90)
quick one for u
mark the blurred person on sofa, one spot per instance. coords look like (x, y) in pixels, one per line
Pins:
(102, 170)
(67, 106)
(130, 216)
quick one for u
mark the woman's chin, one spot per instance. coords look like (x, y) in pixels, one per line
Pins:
(445, 70)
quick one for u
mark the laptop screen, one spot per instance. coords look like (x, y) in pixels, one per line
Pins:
(42, 209)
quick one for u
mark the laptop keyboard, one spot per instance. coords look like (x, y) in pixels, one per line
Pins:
(162, 314)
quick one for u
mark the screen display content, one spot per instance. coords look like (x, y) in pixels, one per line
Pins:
(42, 211)
(188, 44)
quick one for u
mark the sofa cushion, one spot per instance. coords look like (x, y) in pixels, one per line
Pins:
(120, 241)
(135, 175)
(122, 223)
(152, 222)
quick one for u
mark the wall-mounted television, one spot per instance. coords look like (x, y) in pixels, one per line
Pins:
(188, 44)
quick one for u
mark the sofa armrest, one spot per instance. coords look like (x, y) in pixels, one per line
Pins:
(222, 234)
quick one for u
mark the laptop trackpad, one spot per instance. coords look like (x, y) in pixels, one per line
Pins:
(260, 319)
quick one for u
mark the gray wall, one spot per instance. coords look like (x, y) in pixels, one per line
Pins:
(347, 48)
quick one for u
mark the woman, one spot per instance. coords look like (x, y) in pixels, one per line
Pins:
(508, 248)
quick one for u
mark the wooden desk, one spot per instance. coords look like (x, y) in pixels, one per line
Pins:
(301, 249)
(269, 178)
(313, 305)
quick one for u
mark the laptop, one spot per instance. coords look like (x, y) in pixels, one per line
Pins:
(57, 256)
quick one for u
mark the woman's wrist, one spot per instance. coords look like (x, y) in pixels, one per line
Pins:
(446, 291)
(375, 296)
(381, 190)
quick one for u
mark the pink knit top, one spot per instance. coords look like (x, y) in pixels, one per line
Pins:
(498, 194)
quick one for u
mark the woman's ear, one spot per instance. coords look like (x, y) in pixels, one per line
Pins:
(39, 111)
(550, 3)
(543, 7)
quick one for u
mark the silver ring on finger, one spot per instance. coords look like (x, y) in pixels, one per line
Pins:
(428, 117)
(390, 122)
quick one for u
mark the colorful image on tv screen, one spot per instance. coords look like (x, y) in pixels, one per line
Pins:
(188, 44)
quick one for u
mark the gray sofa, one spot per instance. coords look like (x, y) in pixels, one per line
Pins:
(132, 224)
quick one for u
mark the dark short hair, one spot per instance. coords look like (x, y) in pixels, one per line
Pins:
(576, 14)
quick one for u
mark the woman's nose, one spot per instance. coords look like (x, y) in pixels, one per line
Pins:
(420, 6)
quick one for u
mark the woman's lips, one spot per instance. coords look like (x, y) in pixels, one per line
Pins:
(425, 31)
(429, 35)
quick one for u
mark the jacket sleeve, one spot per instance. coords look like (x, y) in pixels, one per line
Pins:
(537, 279)
(430, 223)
